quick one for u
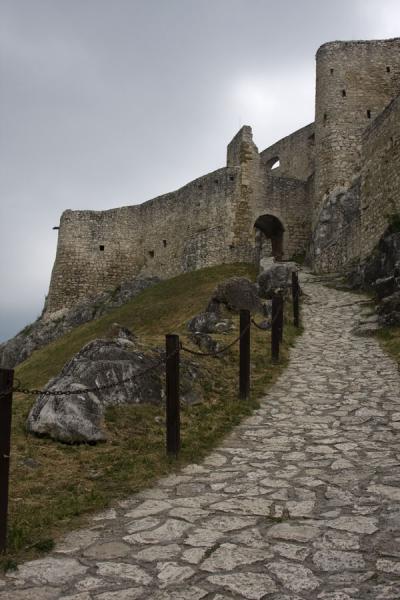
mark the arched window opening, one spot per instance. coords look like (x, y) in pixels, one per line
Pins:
(273, 163)
(269, 237)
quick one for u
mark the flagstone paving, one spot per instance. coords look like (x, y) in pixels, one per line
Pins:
(302, 501)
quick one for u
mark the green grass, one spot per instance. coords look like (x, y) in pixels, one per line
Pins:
(389, 338)
(54, 491)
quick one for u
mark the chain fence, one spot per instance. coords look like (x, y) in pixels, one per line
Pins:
(19, 389)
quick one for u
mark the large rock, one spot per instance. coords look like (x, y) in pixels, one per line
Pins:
(205, 342)
(389, 310)
(235, 294)
(209, 322)
(380, 272)
(277, 277)
(51, 327)
(78, 417)
(385, 286)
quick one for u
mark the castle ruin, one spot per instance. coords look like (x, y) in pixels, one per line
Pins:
(327, 190)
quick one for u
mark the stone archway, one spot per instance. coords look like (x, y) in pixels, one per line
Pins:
(269, 237)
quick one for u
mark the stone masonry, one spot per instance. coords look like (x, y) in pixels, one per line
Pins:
(301, 502)
(303, 180)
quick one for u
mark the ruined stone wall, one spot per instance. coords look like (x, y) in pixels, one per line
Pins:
(380, 185)
(266, 193)
(296, 154)
(181, 231)
(334, 187)
(205, 223)
(289, 200)
(355, 82)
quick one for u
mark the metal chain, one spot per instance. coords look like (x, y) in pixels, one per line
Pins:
(36, 392)
(216, 352)
(259, 326)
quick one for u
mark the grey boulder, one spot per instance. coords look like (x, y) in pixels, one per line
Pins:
(209, 322)
(79, 416)
(205, 342)
(235, 294)
(277, 277)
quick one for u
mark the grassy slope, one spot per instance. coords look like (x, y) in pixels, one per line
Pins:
(389, 338)
(54, 485)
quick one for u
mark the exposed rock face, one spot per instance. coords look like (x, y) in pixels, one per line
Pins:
(235, 294)
(205, 342)
(79, 417)
(209, 322)
(45, 330)
(336, 229)
(380, 273)
(389, 309)
(384, 262)
(277, 277)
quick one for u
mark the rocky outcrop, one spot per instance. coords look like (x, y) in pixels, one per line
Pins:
(235, 294)
(205, 342)
(277, 277)
(209, 322)
(380, 274)
(336, 234)
(389, 309)
(100, 365)
(46, 330)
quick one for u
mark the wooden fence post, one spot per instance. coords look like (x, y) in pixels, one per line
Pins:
(172, 389)
(281, 316)
(295, 296)
(277, 325)
(244, 359)
(6, 383)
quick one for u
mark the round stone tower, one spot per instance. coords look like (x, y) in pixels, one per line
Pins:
(355, 82)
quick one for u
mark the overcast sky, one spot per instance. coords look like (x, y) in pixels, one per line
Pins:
(106, 103)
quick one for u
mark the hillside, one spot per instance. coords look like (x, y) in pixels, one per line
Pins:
(54, 485)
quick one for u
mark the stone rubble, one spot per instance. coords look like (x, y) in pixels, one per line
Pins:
(300, 502)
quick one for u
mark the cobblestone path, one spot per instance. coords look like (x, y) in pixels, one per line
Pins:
(301, 502)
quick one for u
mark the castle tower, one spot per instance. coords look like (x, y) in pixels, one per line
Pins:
(355, 82)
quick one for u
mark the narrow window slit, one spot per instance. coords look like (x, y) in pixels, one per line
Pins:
(151, 253)
(101, 247)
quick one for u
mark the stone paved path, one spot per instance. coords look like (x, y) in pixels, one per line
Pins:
(301, 502)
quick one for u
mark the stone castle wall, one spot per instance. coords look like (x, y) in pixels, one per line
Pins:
(289, 201)
(337, 182)
(177, 232)
(296, 155)
(207, 222)
(355, 81)
(380, 187)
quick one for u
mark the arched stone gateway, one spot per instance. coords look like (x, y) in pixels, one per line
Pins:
(269, 237)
